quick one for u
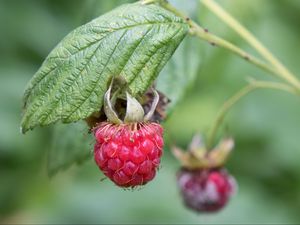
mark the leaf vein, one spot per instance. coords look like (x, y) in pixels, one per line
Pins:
(99, 76)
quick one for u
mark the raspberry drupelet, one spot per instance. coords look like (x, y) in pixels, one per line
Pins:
(206, 190)
(204, 183)
(129, 153)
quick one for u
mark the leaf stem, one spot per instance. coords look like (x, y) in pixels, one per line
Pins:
(276, 68)
(254, 85)
(271, 65)
(283, 72)
(198, 31)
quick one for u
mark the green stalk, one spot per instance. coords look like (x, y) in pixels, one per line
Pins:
(271, 65)
(283, 72)
(275, 68)
(198, 31)
(254, 85)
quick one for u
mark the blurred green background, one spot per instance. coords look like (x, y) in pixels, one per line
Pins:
(265, 124)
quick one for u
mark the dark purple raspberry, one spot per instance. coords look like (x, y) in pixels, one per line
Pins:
(205, 190)
(129, 154)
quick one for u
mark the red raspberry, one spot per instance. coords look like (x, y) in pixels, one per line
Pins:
(129, 154)
(206, 190)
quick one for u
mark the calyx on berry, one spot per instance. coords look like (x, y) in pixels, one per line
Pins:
(204, 184)
(134, 110)
(128, 152)
(206, 190)
(199, 157)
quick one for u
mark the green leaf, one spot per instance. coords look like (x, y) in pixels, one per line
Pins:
(71, 143)
(134, 41)
(180, 72)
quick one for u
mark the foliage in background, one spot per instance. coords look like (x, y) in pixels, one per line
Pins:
(132, 42)
(266, 159)
(71, 143)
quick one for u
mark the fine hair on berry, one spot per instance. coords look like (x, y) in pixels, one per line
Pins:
(206, 190)
(129, 153)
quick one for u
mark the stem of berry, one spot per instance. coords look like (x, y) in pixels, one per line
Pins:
(274, 68)
(271, 65)
(283, 72)
(202, 33)
(254, 85)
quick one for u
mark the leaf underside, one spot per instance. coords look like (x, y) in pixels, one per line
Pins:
(71, 143)
(134, 41)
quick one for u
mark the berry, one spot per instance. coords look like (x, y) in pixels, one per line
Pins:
(129, 153)
(205, 190)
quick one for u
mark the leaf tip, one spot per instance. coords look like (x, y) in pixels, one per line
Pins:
(24, 126)
(22, 131)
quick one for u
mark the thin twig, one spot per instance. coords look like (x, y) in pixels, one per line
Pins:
(254, 85)
(275, 68)
(283, 72)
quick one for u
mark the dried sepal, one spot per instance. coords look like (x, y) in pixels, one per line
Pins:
(154, 104)
(108, 108)
(134, 111)
(198, 157)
